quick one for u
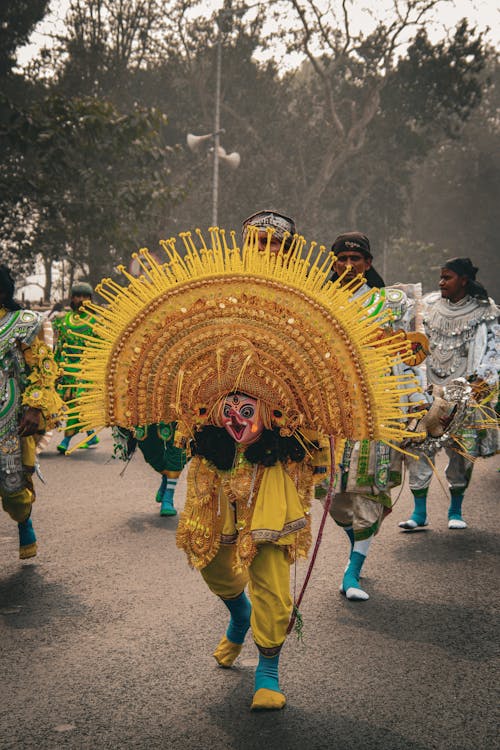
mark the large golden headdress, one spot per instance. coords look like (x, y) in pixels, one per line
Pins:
(216, 318)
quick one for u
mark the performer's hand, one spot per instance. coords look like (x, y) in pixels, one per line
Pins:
(321, 489)
(414, 409)
(29, 422)
(446, 421)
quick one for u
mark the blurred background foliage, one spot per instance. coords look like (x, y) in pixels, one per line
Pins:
(389, 132)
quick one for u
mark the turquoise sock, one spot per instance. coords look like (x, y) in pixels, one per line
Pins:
(240, 609)
(351, 576)
(64, 444)
(455, 509)
(350, 533)
(171, 485)
(93, 440)
(167, 500)
(419, 514)
(26, 533)
(161, 489)
(266, 674)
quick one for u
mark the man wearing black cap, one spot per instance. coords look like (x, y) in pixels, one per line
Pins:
(354, 256)
(368, 469)
(69, 329)
(282, 234)
(461, 322)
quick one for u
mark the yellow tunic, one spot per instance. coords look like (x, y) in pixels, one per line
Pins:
(246, 506)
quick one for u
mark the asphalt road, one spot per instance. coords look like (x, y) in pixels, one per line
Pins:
(107, 635)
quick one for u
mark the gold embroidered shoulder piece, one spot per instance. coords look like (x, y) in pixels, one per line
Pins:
(199, 529)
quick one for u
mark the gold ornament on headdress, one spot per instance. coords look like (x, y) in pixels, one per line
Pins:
(216, 318)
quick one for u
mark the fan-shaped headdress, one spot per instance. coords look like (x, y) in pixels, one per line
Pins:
(216, 318)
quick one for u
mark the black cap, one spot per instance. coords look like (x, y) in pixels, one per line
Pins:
(81, 288)
(270, 218)
(352, 241)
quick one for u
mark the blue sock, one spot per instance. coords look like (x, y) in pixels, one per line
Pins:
(26, 533)
(266, 674)
(93, 440)
(419, 514)
(455, 509)
(167, 500)
(350, 533)
(64, 444)
(161, 489)
(240, 609)
(171, 485)
(351, 576)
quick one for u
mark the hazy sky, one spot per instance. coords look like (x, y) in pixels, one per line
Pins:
(486, 13)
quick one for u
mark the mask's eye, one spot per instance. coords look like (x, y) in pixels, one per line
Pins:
(247, 411)
(227, 410)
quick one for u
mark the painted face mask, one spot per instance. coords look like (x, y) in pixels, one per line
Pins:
(242, 419)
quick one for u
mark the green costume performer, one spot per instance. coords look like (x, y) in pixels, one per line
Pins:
(69, 329)
(156, 443)
(29, 405)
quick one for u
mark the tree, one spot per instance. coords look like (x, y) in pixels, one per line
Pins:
(18, 18)
(334, 142)
(94, 181)
(106, 42)
(177, 75)
(456, 189)
(357, 91)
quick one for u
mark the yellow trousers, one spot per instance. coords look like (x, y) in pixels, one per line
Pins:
(18, 504)
(268, 579)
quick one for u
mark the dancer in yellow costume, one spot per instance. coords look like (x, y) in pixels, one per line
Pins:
(260, 359)
(247, 509)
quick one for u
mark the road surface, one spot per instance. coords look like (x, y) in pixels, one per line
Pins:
(107, 635)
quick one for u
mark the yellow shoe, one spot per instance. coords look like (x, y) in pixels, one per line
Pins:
(27, 551)
(267, 700)
(226, 653)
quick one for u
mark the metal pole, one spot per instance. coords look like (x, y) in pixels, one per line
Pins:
(215, 195)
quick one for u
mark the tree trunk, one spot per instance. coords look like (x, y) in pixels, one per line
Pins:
(47, 290)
